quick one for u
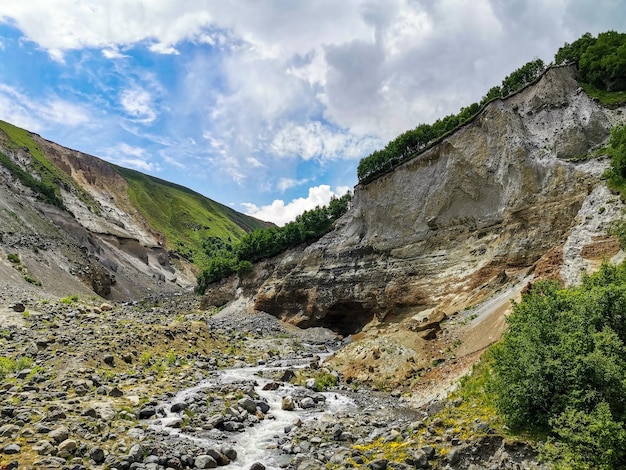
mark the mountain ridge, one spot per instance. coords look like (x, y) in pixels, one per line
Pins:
(99, 234)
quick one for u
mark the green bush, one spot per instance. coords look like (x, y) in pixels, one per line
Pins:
(10, 366)
(561, 363)
(14, 258)
(69, 299)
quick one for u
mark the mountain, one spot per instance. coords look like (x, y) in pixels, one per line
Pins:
(515, 193)
(73, 223)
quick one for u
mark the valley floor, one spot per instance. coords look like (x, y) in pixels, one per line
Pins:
(160, 383)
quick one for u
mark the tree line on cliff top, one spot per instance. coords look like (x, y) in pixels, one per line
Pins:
(601, 62)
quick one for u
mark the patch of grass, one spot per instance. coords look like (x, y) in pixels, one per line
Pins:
(14, 258)
(606, 98)
(10, 366)
(32, 280)
(69, 299)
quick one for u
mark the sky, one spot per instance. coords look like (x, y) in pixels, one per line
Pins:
(265, 106)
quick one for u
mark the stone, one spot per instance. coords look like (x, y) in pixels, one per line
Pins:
(66, 448)
(307, 403)
(310, 384)
(108, 359)
(378, 464)
(232, 426)
(11, 449)
(262, 406)
(106, 413)
(9, 430)
(420, 459)
(115, 392)
(205, 461)
(271, 386)
(18, 307)
(229, 452)
(136, 453)
(59, 434)
(288, 403)
(97, 454)
(43, 447)
(219, 457)
(247, 404)
(429, 451)
(287, 375)
(105, 307)
(454, 456)
(147, 412)
(257, 466)
(174, 463)
(178, 407)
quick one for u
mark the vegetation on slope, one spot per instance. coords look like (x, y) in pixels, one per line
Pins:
(41, 175)
(616, 149)
(228, 258)
(186, 218)
(414, 141)
(560, 367)
(602, 66)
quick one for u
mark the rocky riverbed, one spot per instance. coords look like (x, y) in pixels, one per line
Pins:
(164, 384)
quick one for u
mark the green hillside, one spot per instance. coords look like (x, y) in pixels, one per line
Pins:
(185, 217)
(43, 176)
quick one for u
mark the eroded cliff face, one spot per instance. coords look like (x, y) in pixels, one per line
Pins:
(100, 244)
(455, 224)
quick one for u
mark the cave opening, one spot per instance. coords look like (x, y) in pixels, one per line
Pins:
(346, 318)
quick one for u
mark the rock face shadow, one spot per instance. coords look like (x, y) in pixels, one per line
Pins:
(344, 318)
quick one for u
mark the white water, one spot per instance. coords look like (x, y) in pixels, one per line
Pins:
(256, 443)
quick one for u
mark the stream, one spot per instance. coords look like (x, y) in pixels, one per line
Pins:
(262, 436)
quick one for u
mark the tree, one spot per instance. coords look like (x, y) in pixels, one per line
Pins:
(603, 63)
(571, 53)
(560, 366)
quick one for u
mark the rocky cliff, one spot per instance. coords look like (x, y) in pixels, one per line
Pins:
(449, 228)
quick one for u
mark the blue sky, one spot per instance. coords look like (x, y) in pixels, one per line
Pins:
(266, 106)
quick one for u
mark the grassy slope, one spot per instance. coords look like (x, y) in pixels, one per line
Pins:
(185, 217)
(13, 137)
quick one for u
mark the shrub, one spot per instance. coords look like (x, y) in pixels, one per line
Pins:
(560, 366)
(69, 300)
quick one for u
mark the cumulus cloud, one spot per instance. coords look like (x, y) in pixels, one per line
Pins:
(314, 140)
(281, 213)
(276, 83)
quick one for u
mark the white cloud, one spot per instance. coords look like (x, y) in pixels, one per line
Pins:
(314, 140)
(129, 156)
(281, 213)
(137, 102)
(287, 183)
(113, 52)
(37, 115)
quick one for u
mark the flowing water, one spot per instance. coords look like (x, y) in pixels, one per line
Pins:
(257, 443)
